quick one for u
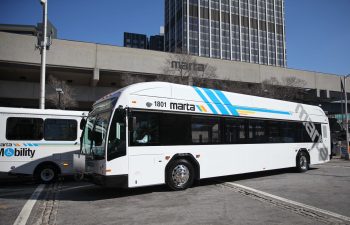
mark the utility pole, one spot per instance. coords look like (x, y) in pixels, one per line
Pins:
(43, 46)
(346, 118)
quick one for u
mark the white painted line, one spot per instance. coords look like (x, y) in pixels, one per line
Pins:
(27, 208)
(329, 213)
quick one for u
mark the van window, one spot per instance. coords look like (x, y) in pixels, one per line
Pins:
(18, 128)
(60, 130)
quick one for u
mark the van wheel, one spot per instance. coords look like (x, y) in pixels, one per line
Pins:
(302, 162)
(46, 174)
(180, 175)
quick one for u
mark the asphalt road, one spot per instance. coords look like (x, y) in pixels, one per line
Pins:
(14, 193)
(257, 198)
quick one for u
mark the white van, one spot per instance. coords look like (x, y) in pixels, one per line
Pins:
(39, 142)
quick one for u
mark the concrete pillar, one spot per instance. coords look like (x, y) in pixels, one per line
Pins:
(318, 93)
(95, 77)
(328, 93)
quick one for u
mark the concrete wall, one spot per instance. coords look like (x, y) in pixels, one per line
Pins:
(30, 90)
(21, 49)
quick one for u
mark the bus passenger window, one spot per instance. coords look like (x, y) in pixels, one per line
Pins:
(205, 130)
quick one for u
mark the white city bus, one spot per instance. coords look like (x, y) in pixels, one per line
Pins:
(155, 133)
(39, 142)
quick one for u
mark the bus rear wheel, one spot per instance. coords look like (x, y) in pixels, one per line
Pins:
(46, 174)
(302, 162)
(180, 175)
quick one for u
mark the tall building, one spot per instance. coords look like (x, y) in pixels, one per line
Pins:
(241, 30)
(156, 42)
(133, 40)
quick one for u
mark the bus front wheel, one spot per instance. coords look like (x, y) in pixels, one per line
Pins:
(46, 174)
(180, 175)
(302, 162)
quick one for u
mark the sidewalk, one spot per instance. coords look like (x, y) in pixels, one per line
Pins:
(336, 160)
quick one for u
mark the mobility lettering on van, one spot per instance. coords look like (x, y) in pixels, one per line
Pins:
(17, 152)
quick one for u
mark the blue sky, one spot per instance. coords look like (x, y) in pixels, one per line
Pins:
(317, 31)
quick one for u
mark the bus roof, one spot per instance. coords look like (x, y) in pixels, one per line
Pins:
(42, 111)
(210, 101)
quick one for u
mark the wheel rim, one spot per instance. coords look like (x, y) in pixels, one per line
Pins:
(180, 175)
(303, 162)
(47, 174)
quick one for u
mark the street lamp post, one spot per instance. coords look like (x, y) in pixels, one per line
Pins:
(346, 118)
(59, 92)
(43, 46)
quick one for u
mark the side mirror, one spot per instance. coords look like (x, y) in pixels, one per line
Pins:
(82, 124)
(120, 114)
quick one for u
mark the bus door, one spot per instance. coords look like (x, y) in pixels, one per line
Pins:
(145, 158)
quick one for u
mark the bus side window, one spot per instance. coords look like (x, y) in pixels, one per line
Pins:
(146, 131)
(60, 130)
(21, 128)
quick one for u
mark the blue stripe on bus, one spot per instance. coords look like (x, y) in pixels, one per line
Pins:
(205, 100)
(216, 101)
(226, 102)
(233, 109)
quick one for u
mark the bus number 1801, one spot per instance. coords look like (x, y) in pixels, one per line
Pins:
(160, 104)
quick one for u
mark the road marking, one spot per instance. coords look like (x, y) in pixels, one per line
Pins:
(15, 193)
(27, 208)
(326, 212)
(330, 165)
(77, 187)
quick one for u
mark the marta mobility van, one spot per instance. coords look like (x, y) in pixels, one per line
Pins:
(39, 142)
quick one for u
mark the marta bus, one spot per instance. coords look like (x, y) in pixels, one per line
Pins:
(39, 142)
(156, 132)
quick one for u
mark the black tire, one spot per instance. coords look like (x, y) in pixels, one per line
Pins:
(302, 162)
(180, 175)
(46, 174)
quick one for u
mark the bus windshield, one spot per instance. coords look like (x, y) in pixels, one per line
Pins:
(95, 133)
